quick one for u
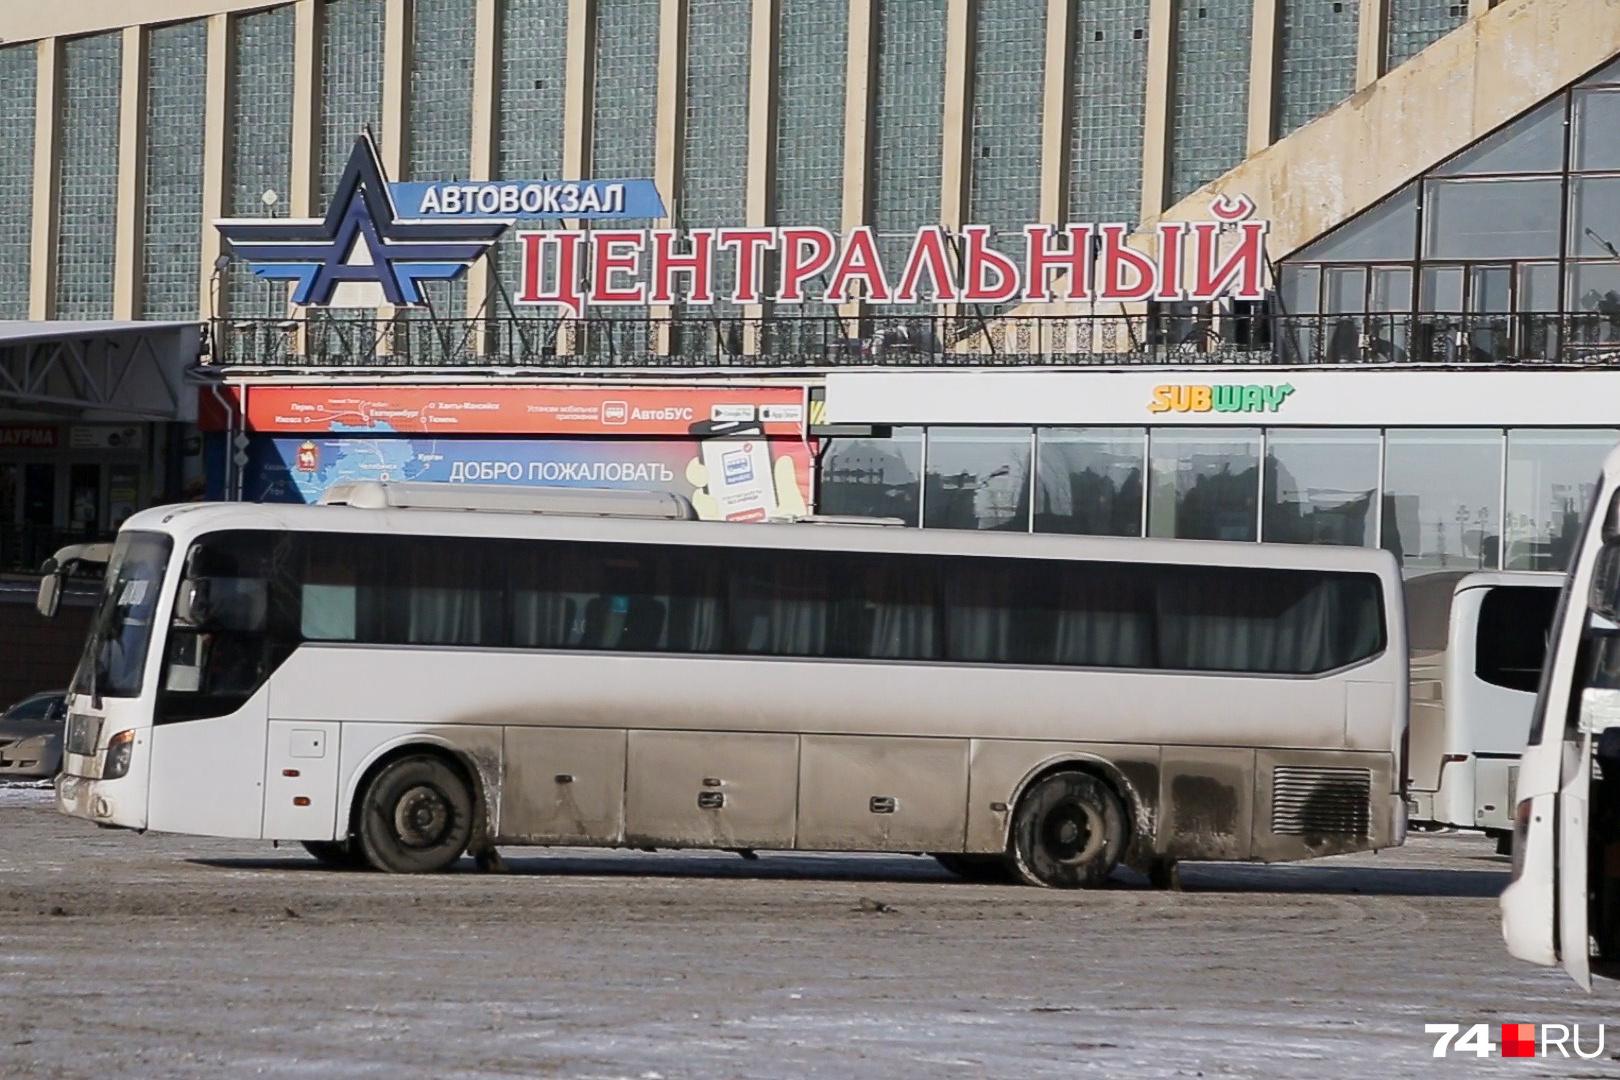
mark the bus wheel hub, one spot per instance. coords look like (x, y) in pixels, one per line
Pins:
(421, 817)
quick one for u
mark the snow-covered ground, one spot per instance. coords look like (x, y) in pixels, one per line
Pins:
(17, 793)
(125, 955)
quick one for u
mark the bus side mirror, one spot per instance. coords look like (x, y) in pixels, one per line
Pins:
(50, 590)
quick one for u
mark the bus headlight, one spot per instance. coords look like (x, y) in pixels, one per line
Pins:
(1521, 833)
(119, 749)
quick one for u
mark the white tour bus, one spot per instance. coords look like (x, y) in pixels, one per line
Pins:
(1478, 641)
(1563, 902)
(393, 681)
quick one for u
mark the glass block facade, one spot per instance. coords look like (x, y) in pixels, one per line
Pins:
(172, 218)
(351, 83)
(1414, 25)
(87, 191)
(625, 97)
(529, 102)
(1107, 109)
(18, 72)
(259, 146)
(1008, 90)
(1316, 59)
(624, 128)
(714, 158)
(1209, 91)
(811, 61)
(907, 122)
(441, 90)
(439, 146)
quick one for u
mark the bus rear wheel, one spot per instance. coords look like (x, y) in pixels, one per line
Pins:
(416, 817)
(1068, 832)
(335, 854)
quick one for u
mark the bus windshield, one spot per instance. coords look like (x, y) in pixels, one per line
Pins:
(121, 630)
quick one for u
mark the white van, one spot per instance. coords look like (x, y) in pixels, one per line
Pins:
(1563, 901)
(1472, 699)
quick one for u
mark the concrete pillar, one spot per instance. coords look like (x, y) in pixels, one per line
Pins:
(1055, 119)
(956, 170)
(215, 179)
(47, 125)
(858, 105)
(1370, 37)
(1156, 125)
(131, 176)
(306, 110)
(485, 118)
(671, 132)
(1263, 76)
(577, 128)
(394, 144)
(394, 141)
(762, 50)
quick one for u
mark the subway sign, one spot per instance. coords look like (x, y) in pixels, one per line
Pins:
(1224, 398)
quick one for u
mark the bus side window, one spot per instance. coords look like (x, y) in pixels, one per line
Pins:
(328, 613)
(1510, 641)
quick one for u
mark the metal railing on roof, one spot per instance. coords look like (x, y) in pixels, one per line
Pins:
(813, 342)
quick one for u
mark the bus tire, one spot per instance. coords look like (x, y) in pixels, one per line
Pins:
(1068, 832)
(416, 817)
(984, 869)
(335, 854)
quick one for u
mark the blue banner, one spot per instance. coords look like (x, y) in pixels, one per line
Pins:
(590, 200)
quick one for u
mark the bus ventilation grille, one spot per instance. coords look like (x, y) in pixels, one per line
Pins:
(1320, 801)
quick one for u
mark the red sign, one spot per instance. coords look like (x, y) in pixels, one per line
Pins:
(526, 410)
(1202, 260)
(27, 436)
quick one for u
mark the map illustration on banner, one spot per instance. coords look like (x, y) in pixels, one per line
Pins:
(522, 410)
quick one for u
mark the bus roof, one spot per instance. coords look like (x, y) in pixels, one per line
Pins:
(189, 521)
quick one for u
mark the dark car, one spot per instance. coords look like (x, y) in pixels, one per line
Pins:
(31, 736)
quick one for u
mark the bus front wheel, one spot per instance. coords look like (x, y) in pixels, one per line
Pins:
(417, 817)
(1068, 832)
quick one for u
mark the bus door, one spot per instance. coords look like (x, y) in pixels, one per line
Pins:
(1560, 903)
(1588, 808)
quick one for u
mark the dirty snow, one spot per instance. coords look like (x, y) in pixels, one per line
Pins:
(169, 956)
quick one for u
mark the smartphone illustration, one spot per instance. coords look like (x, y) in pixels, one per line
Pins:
(738, 461)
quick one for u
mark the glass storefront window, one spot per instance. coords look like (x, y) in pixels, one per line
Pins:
(1205, 483)
(1442, 496)
(1534, 143)
(1594, 216)
(1597, 117)
(1492, 219)
(1386, 233)
(1320, 487)
(1550, 475)
(873, 477)
(1089, 480)
(978, 478)
(1442, 289)
(1593, 301)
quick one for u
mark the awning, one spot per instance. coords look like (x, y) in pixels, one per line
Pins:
(105, 370)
